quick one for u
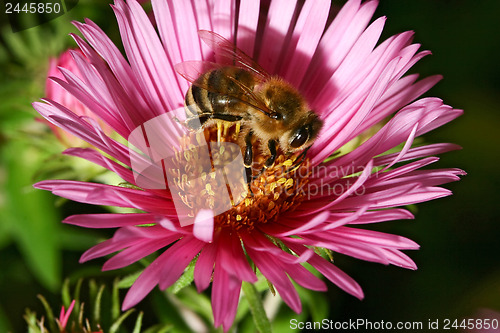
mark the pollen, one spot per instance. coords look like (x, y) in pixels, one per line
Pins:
(240, 206)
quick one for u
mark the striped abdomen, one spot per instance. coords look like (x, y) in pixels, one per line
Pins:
(215, 95)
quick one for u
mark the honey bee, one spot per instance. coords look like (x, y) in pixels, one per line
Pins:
(237, 89)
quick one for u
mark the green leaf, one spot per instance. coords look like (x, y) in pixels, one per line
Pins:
(138, 323)
(185, 280)
(4, 322)
(116, 325)
(166, 312)
(317, 305)
(160, 328)
(65, 293)
(97, 304)
(127, 281)
(256, 308)
(49, 313)
(76, 296)
(31, 214)
(5, 231)
(282, 321)
(115, 301)
(197, 302)
(30, 318)
(262, 283)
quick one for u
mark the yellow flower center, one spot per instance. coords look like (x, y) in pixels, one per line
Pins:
(200, 181)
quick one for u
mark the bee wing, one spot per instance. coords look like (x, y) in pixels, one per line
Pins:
(192, 70)
(232, 54)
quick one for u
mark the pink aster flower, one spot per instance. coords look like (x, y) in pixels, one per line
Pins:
(351, 80)
(60, 95)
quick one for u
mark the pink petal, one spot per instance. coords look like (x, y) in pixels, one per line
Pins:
(361, 101)
(109, 220)
(332, 273)
(121, 80)
(78, 126)
(64, 316)
(181, 254)
(375, 238)
(136, 252)
(398, 196)
(351, 218)
(179, 36)
(381, 216)
(300, 226)
(336, 42)
(405, 169)
(95, 157)
(304, 39)
(204, 267)
(348, 247)
(274, 272)
(163, 270)
(225, 296)
(400, 259)
(357, 55)
(231, 257)
(248, 19)
(148, 279)
(275, 31)
(223, 18)
(305, 278)
(314, 205)
(100, 194)
(428, 113)
(417, 152)
(258, 242)
(203, 11)
(126, 237)
(147, 57)
(405, 148)
(104, 248)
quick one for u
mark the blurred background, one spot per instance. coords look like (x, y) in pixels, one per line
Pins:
(459, 266)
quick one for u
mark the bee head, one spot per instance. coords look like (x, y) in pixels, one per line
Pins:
(303, 134)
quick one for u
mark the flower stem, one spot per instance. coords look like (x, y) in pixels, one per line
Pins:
(256, 308)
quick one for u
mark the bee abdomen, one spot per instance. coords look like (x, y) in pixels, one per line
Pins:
(197, 102)
(219, 97)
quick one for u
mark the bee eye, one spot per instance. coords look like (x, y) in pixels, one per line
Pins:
(300, 137)
(276, 116)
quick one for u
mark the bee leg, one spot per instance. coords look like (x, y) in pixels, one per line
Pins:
(300, 159)
(219, 132)
(196, 123)
(237, 130)
(226, 127)
(248, 161)
(227, 118)
(271, 144)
